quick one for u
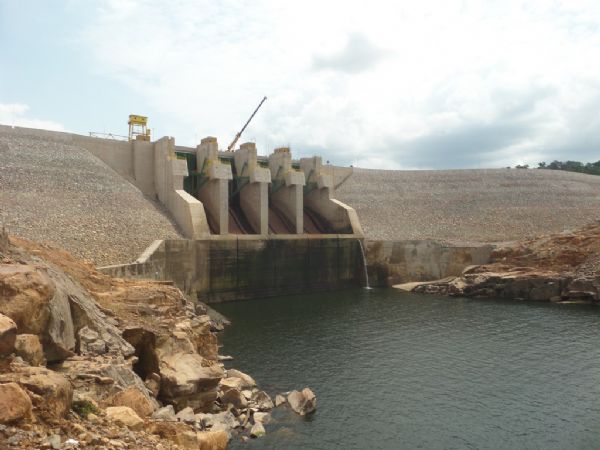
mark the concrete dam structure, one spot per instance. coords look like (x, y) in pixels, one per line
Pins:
(233, 225)
(254, 225)
(212, 193)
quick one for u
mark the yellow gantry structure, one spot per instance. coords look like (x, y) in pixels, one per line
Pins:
(138, 128)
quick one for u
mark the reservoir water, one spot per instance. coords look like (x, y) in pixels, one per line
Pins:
(393, 370)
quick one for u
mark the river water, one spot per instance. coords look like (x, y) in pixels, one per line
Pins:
(393, 370)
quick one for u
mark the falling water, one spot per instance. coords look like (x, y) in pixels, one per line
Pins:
(364, 258)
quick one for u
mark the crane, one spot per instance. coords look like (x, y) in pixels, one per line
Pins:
(237, 136)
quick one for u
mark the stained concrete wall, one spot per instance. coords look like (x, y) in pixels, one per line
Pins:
(248, 267)
(394, 262)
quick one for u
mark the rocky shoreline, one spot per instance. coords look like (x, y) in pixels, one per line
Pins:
(563, 267)
(89, 361)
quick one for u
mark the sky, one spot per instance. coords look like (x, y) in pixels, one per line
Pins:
(378, 84)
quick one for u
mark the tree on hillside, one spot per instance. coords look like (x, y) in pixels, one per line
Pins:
(572, 166)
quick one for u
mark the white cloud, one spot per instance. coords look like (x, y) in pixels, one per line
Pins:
(416, 85)
(15, 114)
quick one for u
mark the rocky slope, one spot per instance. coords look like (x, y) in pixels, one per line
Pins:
(52, 190)
(89, 361)
(557, 267)
(472, 205)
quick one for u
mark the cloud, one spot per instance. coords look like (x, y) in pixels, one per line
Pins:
(358, 55)
(428, 84)
(15, 114)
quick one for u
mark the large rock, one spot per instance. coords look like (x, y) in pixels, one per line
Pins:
(8, 335)
(15, 404)
(235, 398)
(38, 306)
(186, 415)
(187, 379)
(230, 383)
(54, 393)
(263, 401)
(102, 377)
(124, 416)
(90, 342)
(165, 413)
(223, 421)
(302, 402)
(26, 293)
(257, 430)
(212, 440)
(198, 330)
(247, 382)
(43, 300)
(29, 347)
(136, 400)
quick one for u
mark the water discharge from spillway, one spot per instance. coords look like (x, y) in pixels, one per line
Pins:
(364, 258)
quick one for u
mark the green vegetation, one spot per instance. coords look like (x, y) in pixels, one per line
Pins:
(572, 166)
(83, 408)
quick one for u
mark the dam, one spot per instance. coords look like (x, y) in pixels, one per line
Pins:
(224, 225)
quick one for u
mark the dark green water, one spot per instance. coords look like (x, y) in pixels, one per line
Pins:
(401, 371)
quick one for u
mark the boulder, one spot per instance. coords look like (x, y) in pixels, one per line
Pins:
(263, 401)
(304, 402)
(262, 417)
(187, 379)
(235, 398)
(134, 399)
(230, 383)
(124, 416)
(29, 347)
(166, 413)
(45, 301)
(15, 404)
(247, 382)
(257, 430)
(26, 293)
(279, 400)
(212, 440)
(8, 335)
(101, 377)
(225, 421)
(90, 342)
(54, 393)
(186, 415)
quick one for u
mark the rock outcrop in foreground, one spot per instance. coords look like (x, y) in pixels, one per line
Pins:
(561, 267)
(89, 361)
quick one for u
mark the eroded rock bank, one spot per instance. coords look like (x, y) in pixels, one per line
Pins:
(89, 361)
(562, 267)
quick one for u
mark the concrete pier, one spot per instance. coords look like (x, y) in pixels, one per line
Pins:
(287, 188)
(322, 210)
(214, 192)
(253, 185)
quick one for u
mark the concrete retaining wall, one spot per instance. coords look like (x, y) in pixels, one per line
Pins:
(394, 262)
(218, 270)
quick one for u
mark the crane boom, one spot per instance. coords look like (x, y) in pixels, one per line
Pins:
(237, 136)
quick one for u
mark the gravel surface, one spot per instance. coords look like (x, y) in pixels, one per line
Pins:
(470, 205)
(53, 191)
